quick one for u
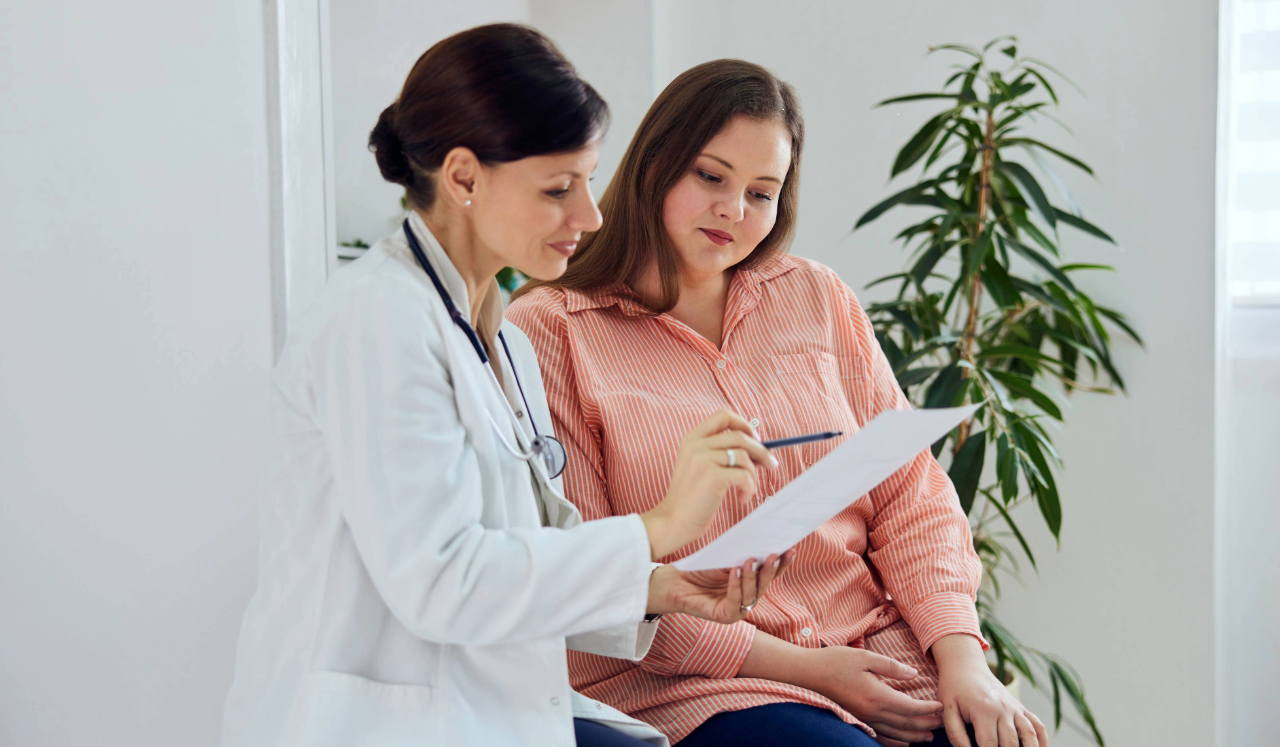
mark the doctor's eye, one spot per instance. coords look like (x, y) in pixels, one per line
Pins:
(557, 194)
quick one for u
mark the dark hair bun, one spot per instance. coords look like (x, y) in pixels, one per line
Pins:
(387, 148)
(502, 91)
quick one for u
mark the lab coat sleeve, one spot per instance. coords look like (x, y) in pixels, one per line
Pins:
(409, 483)
(625, 641)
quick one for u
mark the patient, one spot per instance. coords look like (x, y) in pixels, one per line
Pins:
(684, 302)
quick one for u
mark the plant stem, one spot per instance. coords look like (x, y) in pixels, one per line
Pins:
(975, 281)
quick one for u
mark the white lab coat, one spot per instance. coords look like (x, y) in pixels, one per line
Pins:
(408, 592)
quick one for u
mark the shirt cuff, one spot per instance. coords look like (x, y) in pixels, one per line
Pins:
(692, 646)
(942, 614)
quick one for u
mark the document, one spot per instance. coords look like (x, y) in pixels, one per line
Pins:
(871, 456)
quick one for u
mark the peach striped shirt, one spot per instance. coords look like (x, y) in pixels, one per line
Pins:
(892, 573)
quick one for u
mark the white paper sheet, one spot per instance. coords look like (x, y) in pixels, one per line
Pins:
(871, 456)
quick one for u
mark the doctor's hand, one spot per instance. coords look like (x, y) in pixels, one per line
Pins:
(717, 595)
(722, 452)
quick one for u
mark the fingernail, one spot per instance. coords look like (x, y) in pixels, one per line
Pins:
(739, 572)
(773, 462)
(777, 562)
(755, 566)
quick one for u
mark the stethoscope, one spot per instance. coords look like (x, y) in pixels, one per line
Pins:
(548, 449)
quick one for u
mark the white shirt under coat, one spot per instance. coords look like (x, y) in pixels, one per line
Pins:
(408, 592)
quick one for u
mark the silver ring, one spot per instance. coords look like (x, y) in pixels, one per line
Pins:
(733, 460)
(746, 608)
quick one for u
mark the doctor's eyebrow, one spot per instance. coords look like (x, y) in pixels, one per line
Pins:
(729, 166)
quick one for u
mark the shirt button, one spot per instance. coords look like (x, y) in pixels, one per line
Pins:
(806, 632)
(755, 422)
(599, 707)
(519, 413)
(720, 365)
(555, 700)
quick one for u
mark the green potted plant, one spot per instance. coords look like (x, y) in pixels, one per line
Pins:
(987, 312)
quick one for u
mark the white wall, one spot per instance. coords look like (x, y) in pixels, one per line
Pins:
(1128, 599)
(134, 355)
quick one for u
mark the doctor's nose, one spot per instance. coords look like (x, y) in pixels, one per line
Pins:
(584, 215)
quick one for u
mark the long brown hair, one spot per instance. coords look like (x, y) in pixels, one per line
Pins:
(691, 111)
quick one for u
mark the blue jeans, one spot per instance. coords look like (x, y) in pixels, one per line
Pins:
(777, 724)
(594, 734)
(762, 726)
(787, 724)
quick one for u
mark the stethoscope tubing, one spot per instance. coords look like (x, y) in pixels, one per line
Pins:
(462, 323)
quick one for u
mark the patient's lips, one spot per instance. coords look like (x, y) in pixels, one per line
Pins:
(720, 238)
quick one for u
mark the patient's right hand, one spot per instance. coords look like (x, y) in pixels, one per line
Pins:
(701, 478)
(852, 678)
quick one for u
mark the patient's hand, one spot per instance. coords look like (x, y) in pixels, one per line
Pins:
(973, 695)
(713, 595)
(852, 678)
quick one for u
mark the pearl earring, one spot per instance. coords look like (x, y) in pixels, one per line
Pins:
(467, 203)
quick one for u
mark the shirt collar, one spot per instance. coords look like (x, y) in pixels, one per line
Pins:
(628, 302)
(491, 307)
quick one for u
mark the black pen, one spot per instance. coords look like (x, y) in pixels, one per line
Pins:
(796, 440)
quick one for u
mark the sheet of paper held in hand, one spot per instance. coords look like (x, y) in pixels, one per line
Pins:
(871, 456)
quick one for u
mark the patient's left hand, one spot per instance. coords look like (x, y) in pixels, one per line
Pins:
(714, 595)
(971, 694)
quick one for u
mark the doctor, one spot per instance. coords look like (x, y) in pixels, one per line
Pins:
(420, 570)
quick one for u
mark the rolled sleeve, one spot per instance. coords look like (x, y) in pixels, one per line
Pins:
(943, 614)
(920, 538)
(690, 646)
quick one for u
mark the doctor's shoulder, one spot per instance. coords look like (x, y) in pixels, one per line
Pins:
(377, 294)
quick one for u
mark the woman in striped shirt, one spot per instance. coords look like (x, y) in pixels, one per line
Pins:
(686, 302)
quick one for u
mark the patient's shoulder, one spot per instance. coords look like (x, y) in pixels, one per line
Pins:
(539, 312)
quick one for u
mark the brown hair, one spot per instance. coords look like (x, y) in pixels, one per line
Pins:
(502, 90)
(688, 113)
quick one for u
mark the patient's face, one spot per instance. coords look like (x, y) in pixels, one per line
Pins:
(727, 202)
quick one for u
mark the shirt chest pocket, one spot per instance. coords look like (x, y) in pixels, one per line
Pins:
(812, 384)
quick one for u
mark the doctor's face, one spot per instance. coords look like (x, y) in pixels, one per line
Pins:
(727, 201)
(538, 209)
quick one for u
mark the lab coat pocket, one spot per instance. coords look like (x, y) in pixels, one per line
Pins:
(345, 710)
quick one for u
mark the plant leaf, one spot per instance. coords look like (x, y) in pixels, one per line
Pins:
(966, 468)
(919, 144)
(1053, 95)
(1042, 261)
(1022, 386)
(1077, 222)
(942, 392)
(1032, 188)
(958, 48)
(922, 97)
(915, 376)
(1119, 320)
(1027, 142)
(906, 194)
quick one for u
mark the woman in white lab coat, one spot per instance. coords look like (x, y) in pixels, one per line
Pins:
(420, 571)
